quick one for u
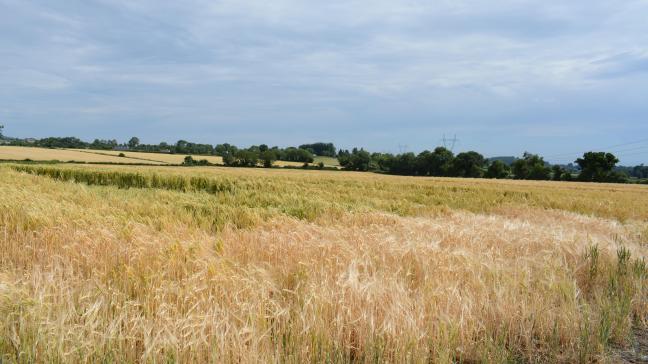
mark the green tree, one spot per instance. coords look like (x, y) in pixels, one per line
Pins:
(531, 166)
(268, 156)
(403, 164)
(468, 164)
(320, 149)
(441, 162)
(1, 129)
(599, 167)
(246, 158)
(223, 149)
(188, 161)
(133, 142)
(357, 160)
(229, 159)
(498, 169)
(296, 155)
(557, 173)
(381, 161)
(437, 163)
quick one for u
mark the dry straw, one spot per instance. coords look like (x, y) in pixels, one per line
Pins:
(120, 264)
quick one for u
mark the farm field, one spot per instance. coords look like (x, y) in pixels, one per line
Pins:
(161, 158)
(63, 155)
(214, 264)
(328, 161)
(112, 156)
(179, 158)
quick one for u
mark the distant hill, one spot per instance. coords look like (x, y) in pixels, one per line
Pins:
(506, 159)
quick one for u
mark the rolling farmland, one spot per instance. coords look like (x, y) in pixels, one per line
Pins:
(65, 155)
(128, 264)
(112, 156)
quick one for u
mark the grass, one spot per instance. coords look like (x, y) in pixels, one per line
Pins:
(328, 161)
(132, 264)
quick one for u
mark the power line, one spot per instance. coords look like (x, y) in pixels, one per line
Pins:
(633, 153)
(630, 149)
(449, 143)
(604, 148)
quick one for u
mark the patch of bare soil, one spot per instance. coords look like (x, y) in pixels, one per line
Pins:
(637, 351)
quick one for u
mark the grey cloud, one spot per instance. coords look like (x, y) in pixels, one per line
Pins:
(378, 73)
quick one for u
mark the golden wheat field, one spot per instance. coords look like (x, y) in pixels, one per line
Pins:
(65, 155)
(225, 265)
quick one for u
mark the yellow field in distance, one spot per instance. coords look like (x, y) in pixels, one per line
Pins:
(63, 155)
(161, 158)
(112, 156)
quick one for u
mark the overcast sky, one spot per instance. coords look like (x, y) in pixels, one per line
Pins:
(551, 77)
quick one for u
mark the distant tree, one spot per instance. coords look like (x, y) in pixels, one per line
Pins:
(403, 164)
(599, 167)
(188, 161)
(360, 160)
(185, 147)
(531, 166)
(441, 162)
(223, 149)
(268, 156)
(566, 176)
(263, 148)
(320, 149)
(181, 147)
(381, 161)
(133, 142)
(468, 164)
(296, 155)
(246, 158)
(356, 160)
(1, 129)
(426, 163)
(639, 171)
(254, 149)
(229, 159)
(558, 173)
(344, 158)
(498, 169)
(103, 144)
(65, 142)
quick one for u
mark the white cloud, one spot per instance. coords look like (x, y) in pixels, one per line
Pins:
(408, 67)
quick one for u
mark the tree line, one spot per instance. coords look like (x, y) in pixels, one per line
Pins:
(232, 155)
(440, 162)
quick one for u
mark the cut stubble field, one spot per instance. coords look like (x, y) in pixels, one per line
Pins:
(150, 264)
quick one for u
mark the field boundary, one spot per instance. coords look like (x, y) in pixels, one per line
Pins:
(118, 156)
